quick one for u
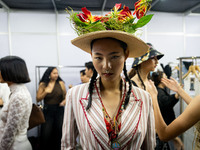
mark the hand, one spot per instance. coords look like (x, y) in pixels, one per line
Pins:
(70, 86)
(171, 83)
(152, 89)
(49, 88)
(62, 103)
(178, 144)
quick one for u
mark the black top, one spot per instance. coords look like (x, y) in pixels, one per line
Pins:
(166, 103)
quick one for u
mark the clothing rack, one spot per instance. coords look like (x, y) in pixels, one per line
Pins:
(181, 78)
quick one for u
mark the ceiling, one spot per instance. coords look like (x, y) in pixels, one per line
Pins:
(173, 6)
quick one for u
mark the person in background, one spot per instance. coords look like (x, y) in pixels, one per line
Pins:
(4, 94)
(142, 66)
(83, 76)
(14, 118)
(183, 122)
(89, 69)
(166, 103)
(52, 90)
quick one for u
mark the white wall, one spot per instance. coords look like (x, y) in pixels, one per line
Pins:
(42, 40)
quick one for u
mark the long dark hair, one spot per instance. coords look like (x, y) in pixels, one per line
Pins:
(45, 78)
(93, 79)
(137, 71)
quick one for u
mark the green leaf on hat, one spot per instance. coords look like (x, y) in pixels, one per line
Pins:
(143, 21)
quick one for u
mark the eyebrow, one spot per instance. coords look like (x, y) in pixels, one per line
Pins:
(112, 53)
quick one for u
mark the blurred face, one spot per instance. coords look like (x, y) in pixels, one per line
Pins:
(54, 74)
(108, 58)
(88, 72)
(84, 78)
(150, 64)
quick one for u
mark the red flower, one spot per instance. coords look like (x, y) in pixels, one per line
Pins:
(141, 8)
(85, 16)
(82, 17)
(117, 7)
(96, 18)
(85, 11)
(125, 13)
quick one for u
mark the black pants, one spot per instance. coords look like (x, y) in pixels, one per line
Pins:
(51, 130)
(160, 145)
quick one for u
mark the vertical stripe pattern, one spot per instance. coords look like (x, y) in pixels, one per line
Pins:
(137, 129)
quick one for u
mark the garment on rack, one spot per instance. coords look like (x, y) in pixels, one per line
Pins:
(192, 85)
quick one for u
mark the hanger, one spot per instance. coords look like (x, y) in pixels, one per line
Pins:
(196, 66)
(176, 68)
(192, 70)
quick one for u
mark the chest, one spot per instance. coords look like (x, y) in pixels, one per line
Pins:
(111, 103)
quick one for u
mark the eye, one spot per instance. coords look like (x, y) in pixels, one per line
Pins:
(98, 58)
(114, 57)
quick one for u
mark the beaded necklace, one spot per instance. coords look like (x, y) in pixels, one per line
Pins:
(113, 126)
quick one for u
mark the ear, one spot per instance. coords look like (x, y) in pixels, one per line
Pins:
(126, 54)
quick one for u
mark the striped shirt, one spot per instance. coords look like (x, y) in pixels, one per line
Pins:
(137, 121)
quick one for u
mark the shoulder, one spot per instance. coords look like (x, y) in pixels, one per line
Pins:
(42, 84)
(79, 90)
(139, 91)
(21, 93)
(61, 82)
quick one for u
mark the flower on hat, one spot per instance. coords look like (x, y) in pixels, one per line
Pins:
(141, 8)
(122, 20)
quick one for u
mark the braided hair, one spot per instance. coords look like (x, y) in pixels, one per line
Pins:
(93, 79)
(130, 86)
(137, 70)
(91, 87)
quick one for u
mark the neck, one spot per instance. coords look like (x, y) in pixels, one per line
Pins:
(9, 83)
(112, 85)
(52, 81)
(143, 74)
(161, 86)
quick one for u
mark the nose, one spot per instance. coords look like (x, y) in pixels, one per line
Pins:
(106, 64)
(156, 60)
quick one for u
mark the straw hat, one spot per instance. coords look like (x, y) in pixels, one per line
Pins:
(135, 46)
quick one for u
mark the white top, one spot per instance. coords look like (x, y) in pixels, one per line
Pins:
(4, 93)
(15, 118)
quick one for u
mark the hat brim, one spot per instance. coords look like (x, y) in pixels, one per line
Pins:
(135, 46)
(146, 57)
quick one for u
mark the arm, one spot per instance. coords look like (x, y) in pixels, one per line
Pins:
(64, 93)
(69, 129)
(187, 119)
(1, 102)
(173, 85)
(15, 115)
(43, 91)
(150, 139)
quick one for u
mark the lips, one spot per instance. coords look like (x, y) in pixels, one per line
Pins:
(107, 74)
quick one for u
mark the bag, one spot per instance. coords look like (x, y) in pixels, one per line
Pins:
(36, 117)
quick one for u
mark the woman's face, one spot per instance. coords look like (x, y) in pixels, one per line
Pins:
(150, 64)
(54, 74)
(108, 58)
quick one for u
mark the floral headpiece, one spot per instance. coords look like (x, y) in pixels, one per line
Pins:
(122, 20)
